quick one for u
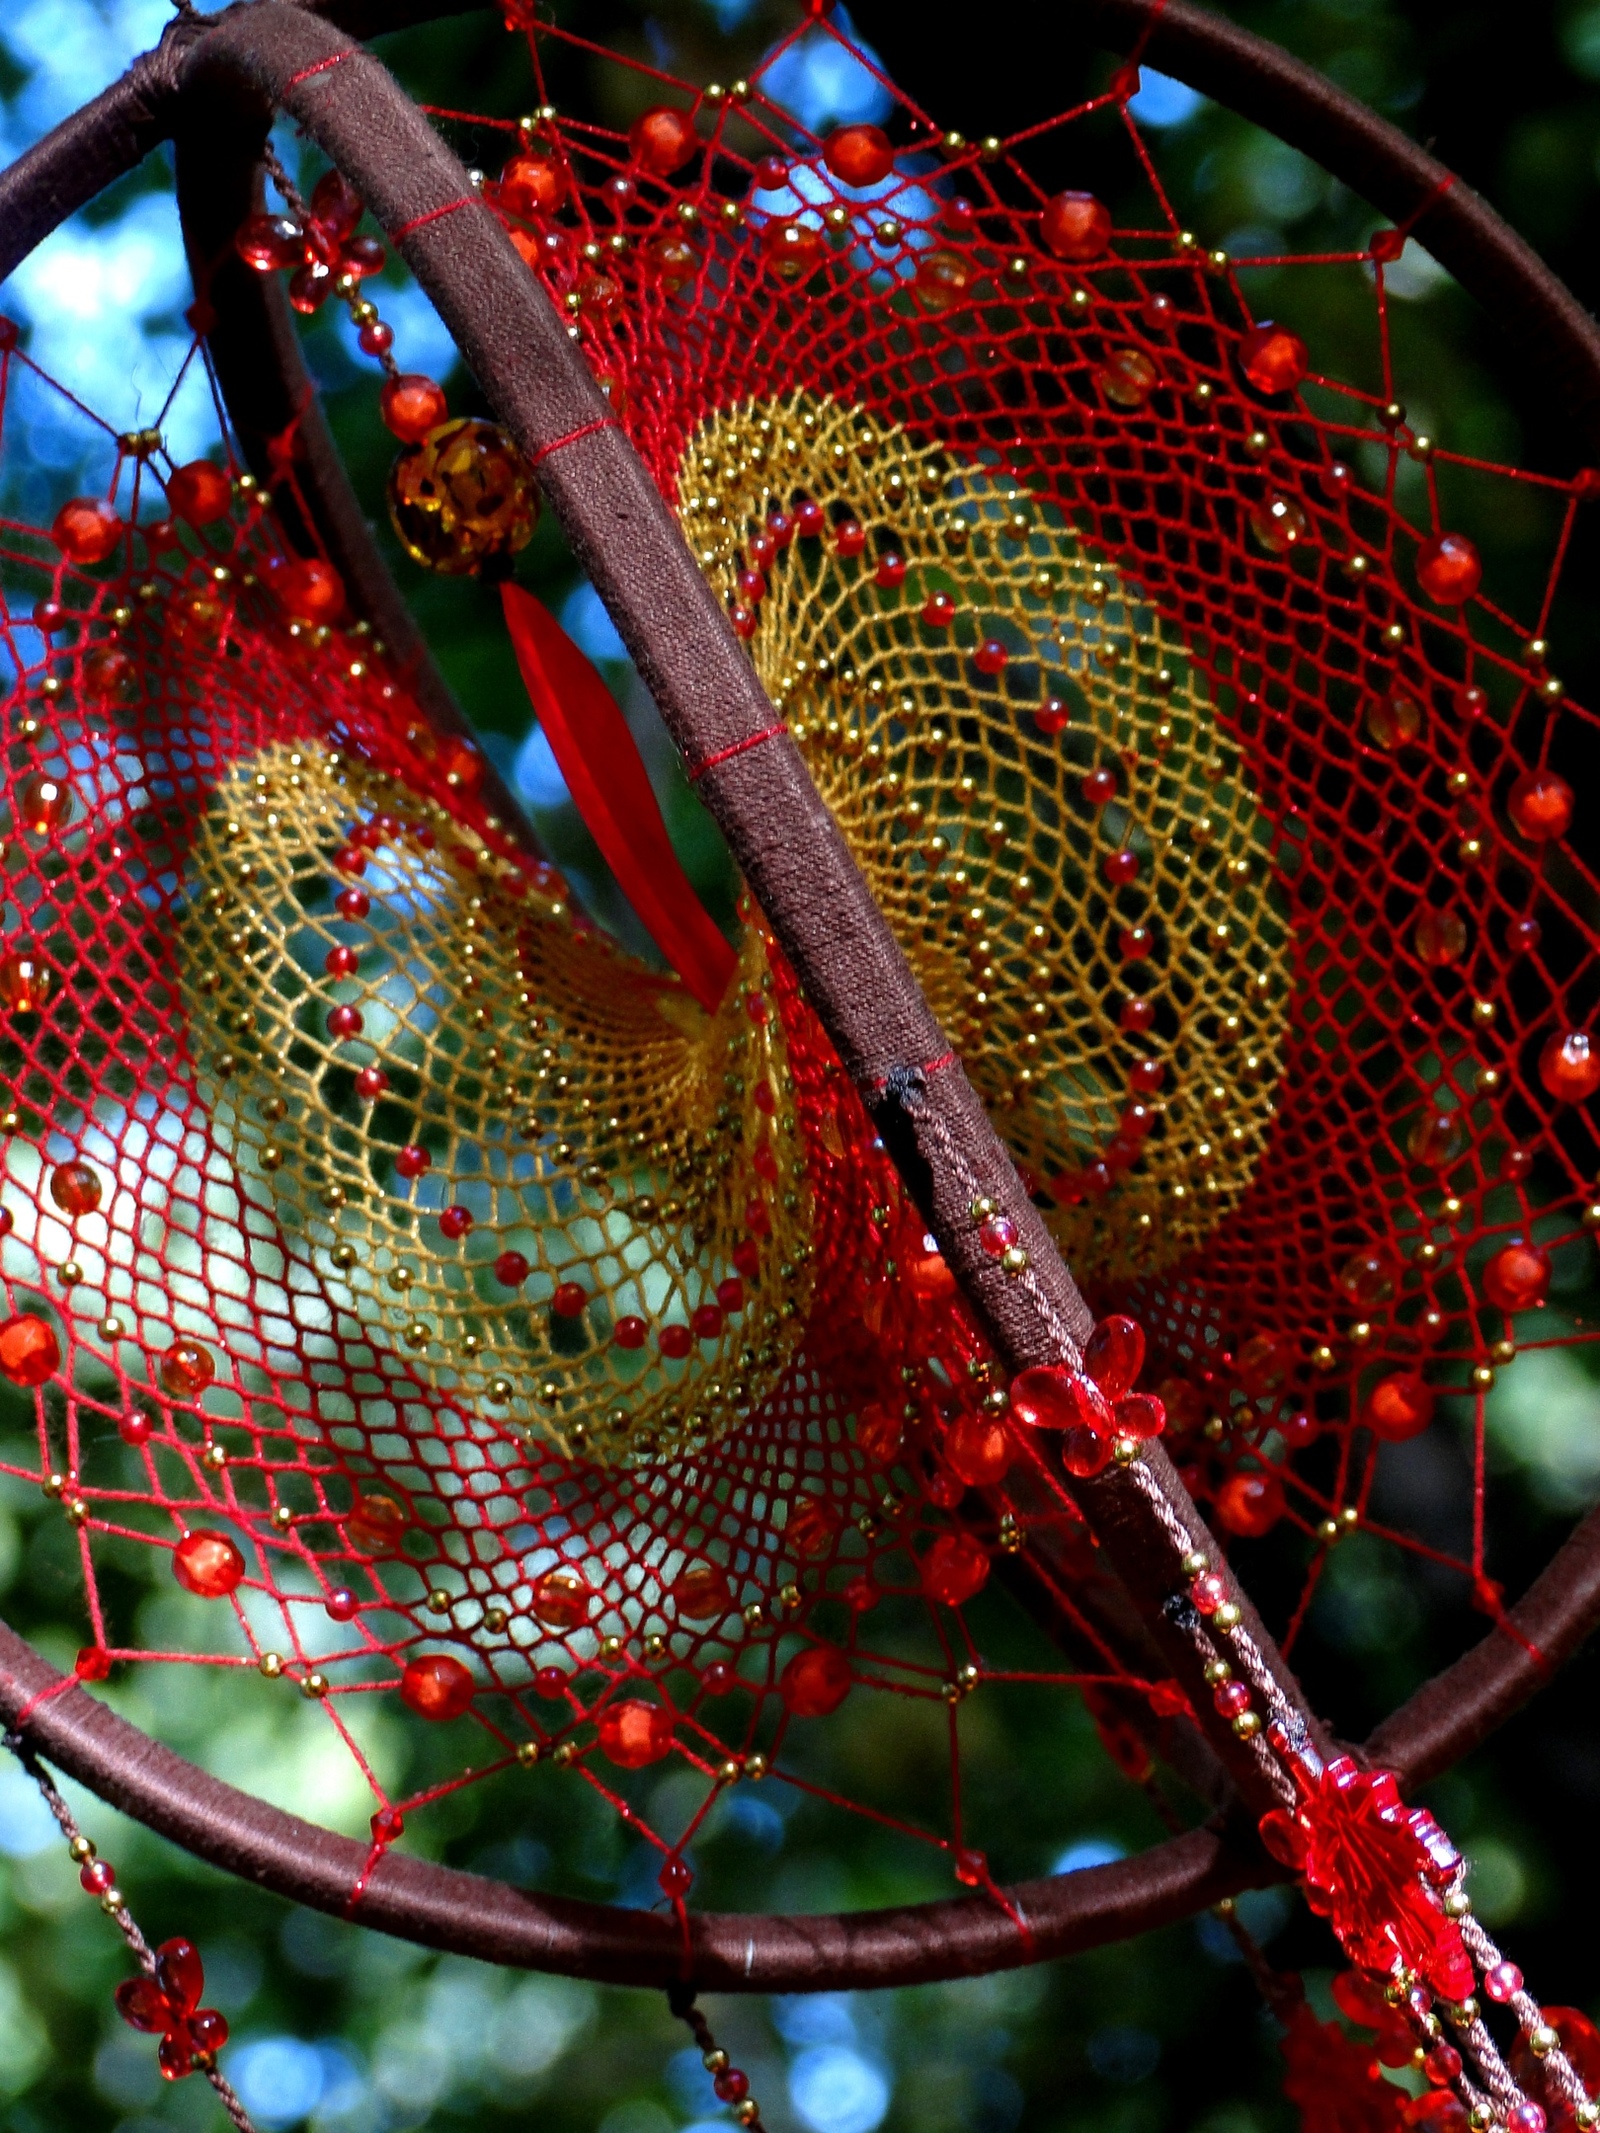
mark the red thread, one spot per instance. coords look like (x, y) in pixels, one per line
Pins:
(321, 67)
(587, 429)
(928, 1066)
(1431, 201)
(56, 1688)
(418, 222)
(724, 755)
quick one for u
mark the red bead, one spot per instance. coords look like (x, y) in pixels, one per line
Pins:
(352, 903)
(1517, 1278)
(1120, 868)
(675, 1341)
(1115, 1355)
(991, 656)
(859, 155)
(1443, 2065)
(809, 518)
(1522, 2117)
(200, 493)
(375, 338)
(971, 1867)
(1273, 359)
(308, 590)
(1051, 715)
(1053, 1397)
(1099, 787)
(376, 1525)
(954, 1569)
(1250, 1504)
(1399, 1407)
(731, 2085)
(341, 962)
(815, 1681)
(1075, 226)
(371, 1083)
(530, 186)
(1137, 1016)
(187, 1368)
(849, 537)
(1523, 935)
(879, 1433)
(43, 804)
(939, 611)
(761, 549)
(730, 1295)
(1540, 804)
(341, 1605)
(1208, 1591)
(1140, 1415)
(744, 619)
(770, 175)
(997, 1234)
(208, 1564)
(92, 1663)
(270, 243)
(629, 1333)
(86, 530)
(1146, 1075)
(752, 585)
(1569, 1065)
(1502, 1983)
(335, 204)
(1128, 377)
(387, 1825)
(511, 1270)
(26, 982)
(707, 1322)
(1231, 1698)
(412, 406)
(1448, 569)
(437, 1687)
(97, 1876)
(890, 571)
(1470, 702)
(812, 1528)
(663, 140)
(561, 1600)
(454, 1223)
(1367, 1277)
(675, 1879)
(411, 1161)
(781, 527)
(702, 1593)
(134, 1427)
(978, 1450)
(75, 1188)
(344, 1022)
(350, 859)
(570, 1300)
(635, 1733)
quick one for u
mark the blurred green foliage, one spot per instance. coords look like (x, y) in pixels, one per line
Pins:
(347, 2032)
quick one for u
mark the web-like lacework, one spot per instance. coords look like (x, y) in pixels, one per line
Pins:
(471, 1313)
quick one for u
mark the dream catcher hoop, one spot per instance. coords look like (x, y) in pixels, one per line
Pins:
(599, 1345)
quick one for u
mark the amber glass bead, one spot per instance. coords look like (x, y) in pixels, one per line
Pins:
(412, 406)
(1278, 523)
(1398, 1407)
(701, 1593)
(1250, 1503)
(813, 1527)
(43, 804)
(29, 1350)
(1367, 1278)
(859, 155)
(1273, 359)
(816, 1681)
(793, 249)
(187, 1368)
(86, 529)
(634, 1733)
(436, 1686)
(75, 1188)
(109, 673)
(1440, 938)
(462, 498)
(942, 279)
(1540, 805)
(200, 493)
(1448, 569)
(1394, 720)
(1517, 1278)
(530, 186)
(561, 1600)
(376, 1525)
(954, 1569)
(206, 1563)
(1075, 226)
(26, 982)
(1128, 377)
(663, 140)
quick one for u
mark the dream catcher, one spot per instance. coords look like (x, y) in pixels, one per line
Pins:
(1157, 863)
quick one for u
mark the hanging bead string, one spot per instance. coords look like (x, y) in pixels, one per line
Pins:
(732, 2086)
(355, 257)
(99, 1880)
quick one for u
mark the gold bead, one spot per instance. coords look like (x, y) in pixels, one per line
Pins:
(654, 1646)
(1503, 1351)
(754, 1615)
(77, 1511)
(1227, 1615)
(1247, 1725)
(1542, 2040)
(282, 1517)
(1483, 1012)
(1360, 1333)
(1458, 1904)
(111, 1327)
(438, 1601)
(1328, 1532)
(495, 1620)
(611, 1647)
(789, 1598)
(1483, 1377)
(215, 1456)
(112, 1901)
(563, 1752)
(314, 1687)
(755, 1766)
(529, 1752)
(270, 1664)
(1014, 1260)
(1591, 1215)
(1323, 1357)
(69, 1274)
(80, 1850)
(1217, 1672)
(1124, 1450)
(1195, 1562)
(728, 1772)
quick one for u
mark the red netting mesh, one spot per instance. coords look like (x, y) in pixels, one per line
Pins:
(1212, 798)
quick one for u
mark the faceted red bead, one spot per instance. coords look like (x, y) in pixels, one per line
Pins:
(308, 590)
(200, 493)
(675, 1878)
(208, 1564)
(411, 1161)
(1448, 569)
(511, 1269)
(437, 1686)
(75, 1188)
(675, 1341)
(942, 279)
(1569, 1065)
(345, 1021)
(1273, 359)
(561, 1600)
(86, 529)
(570, 1300)
(812, 1528)
(529, 186)
(663, 140)
(1250, 1503)
(1517, 1278)
(859, 155)
(412, 406)
(454, 1223)
(376, 1525)
(1540, 804)
(997, 1234)
(816, 1681)
(388, 1825)
(706, 1323)
(93, 1663)
(629, 1333)
(270, 243)
(1115, 1355)
(371, 1083)
(702, 1592)
(1075, 226)
(26, 982)
(971, 1867)
(954, 1568)
(635, 1733)
(1128, 377)
(1399, 1407)
(1053, 1397)
(187, 1368)
(978, 1450)
(1524, 2117)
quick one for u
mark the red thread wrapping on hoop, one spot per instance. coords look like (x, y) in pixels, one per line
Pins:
(584, 429)
(726, 755)
(321, 67)
(433, 214)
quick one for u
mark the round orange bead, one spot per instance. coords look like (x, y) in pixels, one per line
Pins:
(978, 1450)
(29, 1350)
(1569, 1065)
(859, 155)
(86, 530)
(1399, 1407)
(663, 140)
(635, 1733)
(816, 1681)
(187, 1368)
(1128, 377)
(200, 493)
(1517, 1278)
(529, 186)
(561, 1600)
(376, 1525)
(43, 804)
(812, 1528)
(1250, 1504)
(437, 1687)
(1273, 359)
(954, 1568)
(75, 1188)
(702, 1593)
(26, 982)
(309, 590)
(1075, 226)
(1540, 805)
(208, 1564)
(1449, 569)
(412, 405)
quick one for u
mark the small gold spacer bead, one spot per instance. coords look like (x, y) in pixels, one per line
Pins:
(1247, 1725)
(1483, 1377)
(1227, 1615)
(112, 1902)
(80, 1850)
(1195, 1562)
(314, 1686)
(270, 1664)
(529, 1752)
(1125, 1450)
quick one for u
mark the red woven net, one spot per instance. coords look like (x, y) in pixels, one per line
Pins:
(466, 1311)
